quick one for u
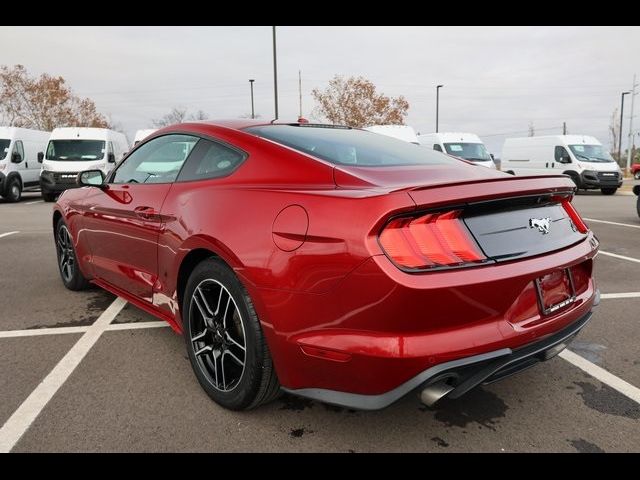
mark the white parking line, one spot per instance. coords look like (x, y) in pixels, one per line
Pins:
(601, 374)
(136, 326)
(35, 201)
(620, 295)
(29, 410)
(611, 223)
(7, 234)
(621, 257)
(36, 332)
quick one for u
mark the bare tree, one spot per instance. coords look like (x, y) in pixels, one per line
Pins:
(532, 129)
(178, 115)
(44, 102)
(614, 132)
(355, 102)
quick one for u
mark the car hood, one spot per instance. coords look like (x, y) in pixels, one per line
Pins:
(397, 178)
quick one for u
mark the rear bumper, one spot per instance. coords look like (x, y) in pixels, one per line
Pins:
(464, 373)
(381, 327)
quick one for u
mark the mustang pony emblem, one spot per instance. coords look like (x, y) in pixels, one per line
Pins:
(542, 224)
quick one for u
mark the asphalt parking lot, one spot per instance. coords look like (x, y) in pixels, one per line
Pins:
(134, 389)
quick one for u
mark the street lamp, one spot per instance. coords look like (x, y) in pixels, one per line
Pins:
(275, 73)
(438, 104)
(253, 113)
(621, 120)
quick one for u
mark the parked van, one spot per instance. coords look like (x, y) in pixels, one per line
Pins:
(581, 157)
(142, 134)
(20, 151)
(72, 150)
(463, 145)
(401, 132)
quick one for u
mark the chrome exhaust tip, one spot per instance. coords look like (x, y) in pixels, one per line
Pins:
(434, 392)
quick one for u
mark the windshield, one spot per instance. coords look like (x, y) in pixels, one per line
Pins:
(4, 148)
(474, 152)
(80, 150)
(591, 153)
(346, 146)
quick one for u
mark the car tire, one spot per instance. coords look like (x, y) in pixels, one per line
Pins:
(638, 206)
(48, 197)
(13, 190)
(67, 260)
(220, 323)
(608, 191)
(575, 177)
(637, 175)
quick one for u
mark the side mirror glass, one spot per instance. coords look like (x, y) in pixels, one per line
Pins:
(90, 178)
(111, 158)
(16, 157)
(40, 157)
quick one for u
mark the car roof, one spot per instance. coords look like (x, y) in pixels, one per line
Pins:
(242, 123)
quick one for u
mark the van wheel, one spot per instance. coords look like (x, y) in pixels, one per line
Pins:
(510, 172)
(49, 197)
(225, 343)
(637, 175)
(13, 190)
(574, 176)
(608, 191)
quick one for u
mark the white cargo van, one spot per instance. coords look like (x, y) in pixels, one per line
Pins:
(463, 145)
(581, 157)
(20, 151)
(142, 134)
(72, 150)
(401, 132)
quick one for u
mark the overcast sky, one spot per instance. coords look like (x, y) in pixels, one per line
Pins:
(496, 79)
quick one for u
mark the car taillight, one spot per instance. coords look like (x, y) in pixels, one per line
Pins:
(430, 241)
(574, 216)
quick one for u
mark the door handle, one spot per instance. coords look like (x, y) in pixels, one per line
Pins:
(546, 165)
(146, 213)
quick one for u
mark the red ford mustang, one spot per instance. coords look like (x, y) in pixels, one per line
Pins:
(330, 262)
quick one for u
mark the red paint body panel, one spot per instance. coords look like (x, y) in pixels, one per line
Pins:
(302, 236)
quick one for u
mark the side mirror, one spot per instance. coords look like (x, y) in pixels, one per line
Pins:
(91, 178)
(492, 157)
(636, 190)
(564, 159)
(40, 157)
(111, 158)
(16, 157)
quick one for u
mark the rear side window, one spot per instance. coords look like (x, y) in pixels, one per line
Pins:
(19, 149)
(210, 160)
(346, 146)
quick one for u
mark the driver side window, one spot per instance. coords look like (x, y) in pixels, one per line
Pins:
(562, 156)
(157, 161)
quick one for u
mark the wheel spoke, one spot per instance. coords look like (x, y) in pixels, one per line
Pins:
(230, 353)
(205, 349)
(199, 336)
(226, 309)
(204, 303)
(197, 299)
(232, 340)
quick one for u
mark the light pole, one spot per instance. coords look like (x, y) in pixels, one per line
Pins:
(253, 113)
(621, 120)
(275, 73)
(438, 104)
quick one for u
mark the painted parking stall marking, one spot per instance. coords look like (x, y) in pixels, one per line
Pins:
(28, 411)
(7, 234)
(620, 257)
(611, 223)
(602, 375)
(37, 332)
(605, 296)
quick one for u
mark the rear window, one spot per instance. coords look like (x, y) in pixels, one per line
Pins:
(346, 146)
